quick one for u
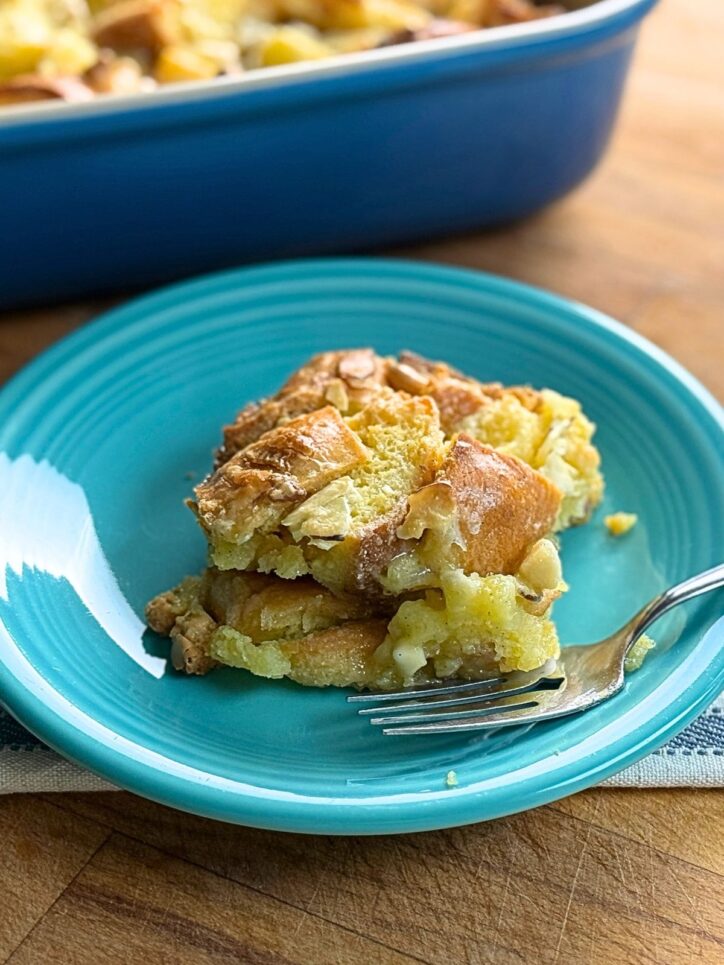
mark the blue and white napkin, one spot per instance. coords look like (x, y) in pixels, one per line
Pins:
(695, 758)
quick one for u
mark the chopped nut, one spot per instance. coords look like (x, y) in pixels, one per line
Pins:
(541, 568)
(336, 393)
(190, 639)
(357, 365)
(405, 378)
(409, 658)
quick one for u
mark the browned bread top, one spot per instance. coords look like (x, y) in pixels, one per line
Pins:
(483, 511)
(337, 471)
(347, 379)
(261, 483)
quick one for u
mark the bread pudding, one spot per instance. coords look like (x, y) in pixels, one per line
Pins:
(76, 50)
(470, 627)
(381, 522)
(375, 503)
(544, 429)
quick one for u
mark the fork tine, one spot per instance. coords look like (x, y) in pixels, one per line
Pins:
(410, 692)
(514, 679)
(520, 714)
(432, 704)
(403, 719)
(528, 698)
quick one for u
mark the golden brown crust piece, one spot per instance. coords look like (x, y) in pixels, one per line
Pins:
(137, 25)
(327, 639)
(456, 395)
(336, 657)
(482, 513)
(265, 607)
(502, 507)
(350, 377)
(259, 485)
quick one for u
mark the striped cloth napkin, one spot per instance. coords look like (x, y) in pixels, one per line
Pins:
(695, 758)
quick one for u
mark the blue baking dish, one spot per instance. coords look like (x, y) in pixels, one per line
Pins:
(365, 150)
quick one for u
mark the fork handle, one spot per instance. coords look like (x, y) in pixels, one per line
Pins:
(687, 590)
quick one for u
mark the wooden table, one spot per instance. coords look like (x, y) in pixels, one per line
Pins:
(604, 877)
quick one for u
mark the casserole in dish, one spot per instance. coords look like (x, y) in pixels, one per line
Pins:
(383, 147)
(78, 49)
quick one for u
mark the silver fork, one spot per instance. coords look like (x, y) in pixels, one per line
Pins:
(582, 677)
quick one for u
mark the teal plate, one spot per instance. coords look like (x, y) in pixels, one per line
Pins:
(101, 440)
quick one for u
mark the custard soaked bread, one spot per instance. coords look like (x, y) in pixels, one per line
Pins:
(381, 522)
(470, 627)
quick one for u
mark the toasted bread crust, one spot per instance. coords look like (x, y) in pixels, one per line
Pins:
(345, 378)
(260, 605)
(327, 639)
(351, 379)
(259, 485)
(501, 504)
(336, 657)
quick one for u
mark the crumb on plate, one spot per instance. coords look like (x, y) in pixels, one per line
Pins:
(451, 779)
(619, 523)
(636, 654)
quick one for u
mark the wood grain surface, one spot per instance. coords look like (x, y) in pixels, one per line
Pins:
(607, 876)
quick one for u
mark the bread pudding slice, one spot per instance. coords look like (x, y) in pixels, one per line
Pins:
(381, 522)
(547, 430)
(348, 500)
(471, 627)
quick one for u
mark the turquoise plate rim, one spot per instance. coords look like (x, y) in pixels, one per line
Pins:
(26, 696)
